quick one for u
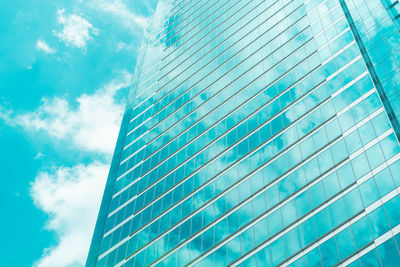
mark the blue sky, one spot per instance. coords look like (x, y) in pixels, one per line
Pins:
(65, 69)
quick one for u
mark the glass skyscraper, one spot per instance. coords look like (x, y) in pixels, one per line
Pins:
(259, 133)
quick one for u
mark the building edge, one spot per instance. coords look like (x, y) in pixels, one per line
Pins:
(98, 233)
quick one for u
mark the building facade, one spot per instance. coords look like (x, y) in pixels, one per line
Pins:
(259, 133)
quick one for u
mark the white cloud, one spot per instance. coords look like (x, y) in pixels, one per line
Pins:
(39, 155)
(76, 30)
(124, 46)
(43, 46)
(122, 12)
(71, 197)
(92, 126)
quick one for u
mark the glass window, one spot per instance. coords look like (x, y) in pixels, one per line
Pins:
(233, 248)
(313, 258)
(297, 263)
(299, 178)
(360, 166)
(345, 243)
(264, 257)
(375, 156)
(317, 195)
(325, 161)
(293, 243)
(378, 222)
(395, 170)
(285, 188)
(275, 222)
(307, 232)
(302, 204)
(355, 263)
(370, 259)
(261, 230)
(369, 192)
(329, 252)
(339, 151)
(384, 182)
(393, 211)
(353, 142)
(289, 213)
(278, 251)
(346, 176)
(338, 212)
(353, 202)
(362, 232)
(323, 222)
(331, 182)
(388, 253)
(250, 262)
(367, 133)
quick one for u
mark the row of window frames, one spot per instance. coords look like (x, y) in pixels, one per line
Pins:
(353, 201)
(215, 16)
(177, 15)
(382, 182)
(159, 39)
(334, 251)
(314, 22)
(306, 1)
(178, 18)
(152, 64)
(195, 129)
(207, 31)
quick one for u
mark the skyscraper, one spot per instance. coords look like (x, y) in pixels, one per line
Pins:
(259, 133)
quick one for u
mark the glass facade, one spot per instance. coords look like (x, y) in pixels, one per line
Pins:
(259, 133)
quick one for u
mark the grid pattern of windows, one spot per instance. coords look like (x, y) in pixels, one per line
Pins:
(259, 133)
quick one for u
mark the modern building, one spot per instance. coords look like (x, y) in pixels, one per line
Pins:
(259, 133)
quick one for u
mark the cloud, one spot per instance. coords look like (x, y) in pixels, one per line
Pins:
(71, 197)
(91, 126)
(43, 46)
(39, 155)
(76, 30)
(124, 46)
(121, 11)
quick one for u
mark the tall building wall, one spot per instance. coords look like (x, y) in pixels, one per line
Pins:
(259, 133)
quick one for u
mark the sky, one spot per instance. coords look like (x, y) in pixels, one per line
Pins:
(65, 71)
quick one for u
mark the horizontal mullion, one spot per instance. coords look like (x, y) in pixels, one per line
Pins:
(160, 135)
(204, 55)
(290, 227)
